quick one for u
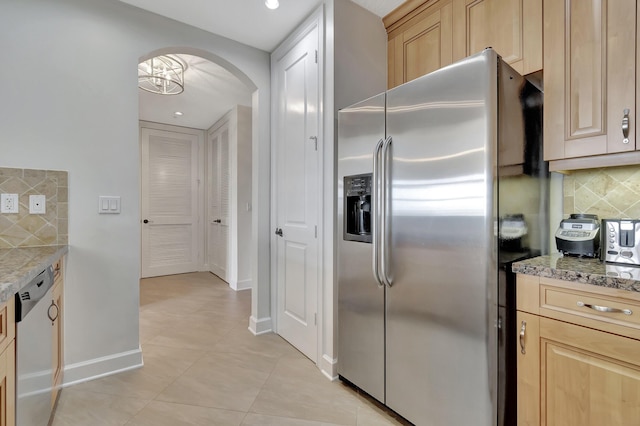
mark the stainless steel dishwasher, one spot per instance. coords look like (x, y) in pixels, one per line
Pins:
(35, 312)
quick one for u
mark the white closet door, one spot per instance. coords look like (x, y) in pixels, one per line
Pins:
(219, 201)
(169, 202)
(297, 187)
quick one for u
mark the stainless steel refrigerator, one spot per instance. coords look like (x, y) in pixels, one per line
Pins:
(420, 175)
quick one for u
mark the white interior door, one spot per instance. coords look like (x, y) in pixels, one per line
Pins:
(169, 207)
(219, 201)
(298, 195)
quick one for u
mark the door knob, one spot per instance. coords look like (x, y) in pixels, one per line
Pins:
(279, 232)
(217, 221)
(145, 221)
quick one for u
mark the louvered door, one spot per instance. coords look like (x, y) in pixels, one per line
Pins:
(169, 204)
(219, 200)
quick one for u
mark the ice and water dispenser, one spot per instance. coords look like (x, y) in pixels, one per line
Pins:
(357, 204)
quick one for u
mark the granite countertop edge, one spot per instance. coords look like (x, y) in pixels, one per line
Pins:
(18, 266)
(581, 270)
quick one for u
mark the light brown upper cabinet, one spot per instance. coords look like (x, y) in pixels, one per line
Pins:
(420, 39)
(590, 82)
(427, 35)
(513, 28)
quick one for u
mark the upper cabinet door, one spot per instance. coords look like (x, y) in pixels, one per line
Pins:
(420, 42)
(513, 28)
(589, 77)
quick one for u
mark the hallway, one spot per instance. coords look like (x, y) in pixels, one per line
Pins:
(203, 367)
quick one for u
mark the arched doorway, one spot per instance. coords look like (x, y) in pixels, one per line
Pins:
(188, 145)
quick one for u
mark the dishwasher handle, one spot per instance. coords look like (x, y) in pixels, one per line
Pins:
(33, 292)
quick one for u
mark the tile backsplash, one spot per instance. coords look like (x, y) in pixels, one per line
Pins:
(609, 192)
(29, 230)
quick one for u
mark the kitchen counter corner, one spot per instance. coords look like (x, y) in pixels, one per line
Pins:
(18, 266)
(581, 270)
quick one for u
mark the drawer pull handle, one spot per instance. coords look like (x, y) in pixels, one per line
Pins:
(604, 308)
(625, 126)
(53, 318)
(522, 330)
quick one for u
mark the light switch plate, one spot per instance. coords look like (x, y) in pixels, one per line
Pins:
(37, 204)
(9, 203)
(108, 204)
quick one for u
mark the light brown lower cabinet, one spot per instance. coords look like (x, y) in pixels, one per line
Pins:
(575, 375)
(8, 385)
(58, 339)
(7, 364)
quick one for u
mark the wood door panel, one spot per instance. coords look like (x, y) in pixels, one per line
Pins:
(528, 366)
(423, 45)
(498, 24)
(621, 82)
(589, 66)
(585, 69)
(588, 377)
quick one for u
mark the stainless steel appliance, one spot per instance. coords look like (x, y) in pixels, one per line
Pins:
(448, 154)
(579, 235)
(35, 312)
(621, 241)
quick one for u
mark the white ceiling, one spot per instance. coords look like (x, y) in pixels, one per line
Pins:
(210, 90)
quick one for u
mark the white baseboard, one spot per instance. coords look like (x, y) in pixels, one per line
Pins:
(102, 367)
(329, 367)
(242, 285)
(260, 326)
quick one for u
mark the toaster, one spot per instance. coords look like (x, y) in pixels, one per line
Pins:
(579, 235)
(621, 241)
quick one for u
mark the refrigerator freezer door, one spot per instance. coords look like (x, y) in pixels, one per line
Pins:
(360, 299)
(441, 248)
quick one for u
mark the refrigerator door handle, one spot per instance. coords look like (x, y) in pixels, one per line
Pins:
(375, 220)
(385, 228)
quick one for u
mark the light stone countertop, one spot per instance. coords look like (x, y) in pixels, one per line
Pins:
(18, 266)
(581, 270)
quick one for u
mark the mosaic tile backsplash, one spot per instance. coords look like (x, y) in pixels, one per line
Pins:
(609, 193)
(32, 230)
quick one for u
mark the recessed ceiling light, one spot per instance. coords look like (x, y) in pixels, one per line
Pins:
(272, 4)
(177, 114)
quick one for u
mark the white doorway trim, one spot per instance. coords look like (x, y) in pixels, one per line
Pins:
(259, 85)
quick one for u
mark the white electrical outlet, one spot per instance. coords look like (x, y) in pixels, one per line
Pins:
(37, 204)
(9, 203)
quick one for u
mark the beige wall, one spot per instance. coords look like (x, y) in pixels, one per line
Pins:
(609, 192)
(28, 230)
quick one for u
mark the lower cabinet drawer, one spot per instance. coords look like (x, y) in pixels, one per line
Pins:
(7, 323)
(585, 304)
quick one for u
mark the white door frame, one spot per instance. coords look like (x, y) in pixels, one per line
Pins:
(315, 20)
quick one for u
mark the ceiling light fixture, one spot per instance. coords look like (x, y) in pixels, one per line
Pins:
(163, 75)
(272, 4)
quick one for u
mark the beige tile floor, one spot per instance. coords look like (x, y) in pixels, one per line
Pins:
(203, 367)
